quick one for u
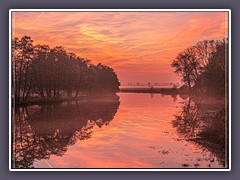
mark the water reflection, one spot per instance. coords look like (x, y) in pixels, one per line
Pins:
(42, 131)
(188, 121)
(147, 132)
(202, 120)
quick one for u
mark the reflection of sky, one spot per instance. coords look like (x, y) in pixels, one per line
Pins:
(136, 137)
(138, 45)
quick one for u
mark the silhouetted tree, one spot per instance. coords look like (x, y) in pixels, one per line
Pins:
(22, 53)
(50, 72)
(106, 79)
(187, 66)
(202, 66)
(213, 79)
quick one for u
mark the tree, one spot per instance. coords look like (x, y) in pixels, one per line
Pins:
(202, 65)
(214, 77)
(83, 74)
(42, 71)
(50, 72)
(204, 51)
(106, 79)
(22, 53)
(187, 66)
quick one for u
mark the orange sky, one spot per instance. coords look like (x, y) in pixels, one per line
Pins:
(140, 46)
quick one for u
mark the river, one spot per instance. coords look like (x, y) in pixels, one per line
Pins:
(136, 131)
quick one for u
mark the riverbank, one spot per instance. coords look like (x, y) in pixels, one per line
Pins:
(166, 91)
(82, 98)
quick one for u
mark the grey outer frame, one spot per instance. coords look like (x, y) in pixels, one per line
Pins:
(228, 95)
(91, 4)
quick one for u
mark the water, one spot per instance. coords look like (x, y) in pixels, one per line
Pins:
(136, 131)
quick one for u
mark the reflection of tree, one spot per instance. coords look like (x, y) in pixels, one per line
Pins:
(174, 97)
(188, 121)
(203, 123)
(43, 131)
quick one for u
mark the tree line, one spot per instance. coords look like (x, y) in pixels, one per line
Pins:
(39, 70)
(202, 67)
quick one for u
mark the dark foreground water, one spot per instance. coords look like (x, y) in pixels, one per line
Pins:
(136, 131)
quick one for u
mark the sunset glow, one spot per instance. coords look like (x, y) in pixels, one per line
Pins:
(140, 46)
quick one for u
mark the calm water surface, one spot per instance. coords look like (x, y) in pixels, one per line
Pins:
(135, 132)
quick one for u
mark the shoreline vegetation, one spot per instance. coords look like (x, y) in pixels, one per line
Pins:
(99, 97)
(44, 75)
(102, 96)
(165, 91)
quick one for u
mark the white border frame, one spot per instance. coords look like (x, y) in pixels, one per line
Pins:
(118, 10)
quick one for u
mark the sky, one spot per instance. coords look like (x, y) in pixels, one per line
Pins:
(139, 46)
